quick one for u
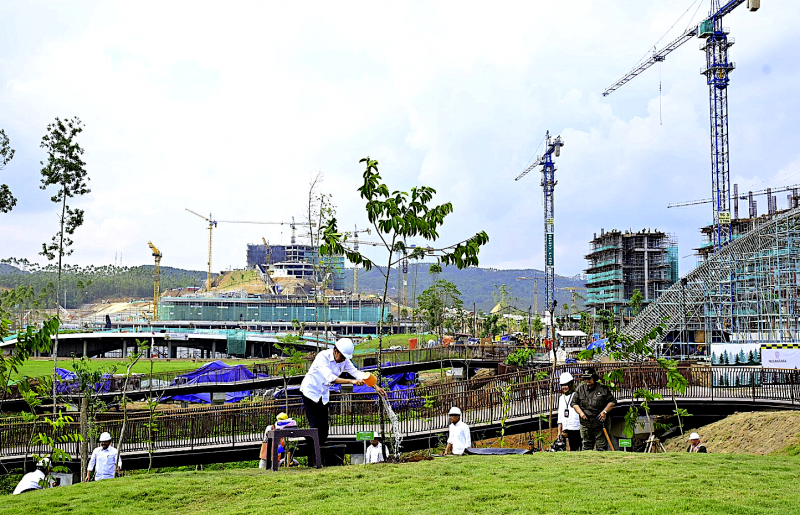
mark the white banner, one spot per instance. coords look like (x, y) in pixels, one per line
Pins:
(780, 355)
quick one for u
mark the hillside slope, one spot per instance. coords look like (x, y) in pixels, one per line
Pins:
(475, 284)
(763, 432)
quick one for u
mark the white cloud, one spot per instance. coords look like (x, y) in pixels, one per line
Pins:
(231, 109)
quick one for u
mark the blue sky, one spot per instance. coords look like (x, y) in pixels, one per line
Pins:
(232, 108)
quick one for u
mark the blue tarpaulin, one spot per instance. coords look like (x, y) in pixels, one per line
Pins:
(214, 372)
(598, 344)
(68, 382)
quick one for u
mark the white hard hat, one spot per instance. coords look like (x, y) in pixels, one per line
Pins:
(694, 436)
(345, 346)
(43, 463)
(105, 437)
(455, 411)
(565, 378)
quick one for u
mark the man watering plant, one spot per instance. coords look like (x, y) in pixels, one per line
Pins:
(593, 402)
(325, 371)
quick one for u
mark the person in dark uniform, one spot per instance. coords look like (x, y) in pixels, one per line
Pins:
(593, 402)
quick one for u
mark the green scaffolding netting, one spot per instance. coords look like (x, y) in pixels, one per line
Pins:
(237, 342)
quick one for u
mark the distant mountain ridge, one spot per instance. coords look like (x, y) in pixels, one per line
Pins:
(475, 284)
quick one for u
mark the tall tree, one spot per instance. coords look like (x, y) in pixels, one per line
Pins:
(64, 169)
(7, 200)
(435, 302)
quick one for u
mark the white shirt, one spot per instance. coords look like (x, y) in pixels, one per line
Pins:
(105, 459)
(573, 422)
(459, 437)
(323, 372)
(374, 454)
(28, 481)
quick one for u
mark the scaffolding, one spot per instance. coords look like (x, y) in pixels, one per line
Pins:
(623, 262)
(746, 292)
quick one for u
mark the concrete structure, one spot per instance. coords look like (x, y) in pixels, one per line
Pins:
(299, 261)
(621, 262)
(269, 309)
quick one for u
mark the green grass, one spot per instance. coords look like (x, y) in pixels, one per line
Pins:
(44, 367)
(574, 483)
(390, 339)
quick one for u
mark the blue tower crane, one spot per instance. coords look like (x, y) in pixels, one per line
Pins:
(552, 146)
(716, 71)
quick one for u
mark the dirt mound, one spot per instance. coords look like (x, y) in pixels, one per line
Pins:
(763, 432)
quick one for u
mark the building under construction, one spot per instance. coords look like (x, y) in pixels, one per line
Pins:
(742, 226)
(622, 262)
(297, 261)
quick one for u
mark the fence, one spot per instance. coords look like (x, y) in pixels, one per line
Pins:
(419, 411)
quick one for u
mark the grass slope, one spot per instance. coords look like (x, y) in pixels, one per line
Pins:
(574, 483)
(759, 432)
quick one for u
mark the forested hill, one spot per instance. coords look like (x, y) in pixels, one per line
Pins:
(475, 284)
(92, 283)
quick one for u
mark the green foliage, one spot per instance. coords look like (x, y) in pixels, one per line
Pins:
(65, 170)
(435, 301)
(520, 357)
(28, 342)
(84, 284)
(491, 326)
(7, 200)
(636, 301)
(506, 409)
(537, 326)
(57, 437)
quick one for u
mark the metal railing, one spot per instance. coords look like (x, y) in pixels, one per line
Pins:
(484, 401)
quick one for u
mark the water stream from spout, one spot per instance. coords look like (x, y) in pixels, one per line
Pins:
(396, 434)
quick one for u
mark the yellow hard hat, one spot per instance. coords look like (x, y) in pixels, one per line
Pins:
(282, 416)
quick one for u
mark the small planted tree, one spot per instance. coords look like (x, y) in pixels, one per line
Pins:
(64, 170)
(626, 350)
(89, 381)
(294, 362)
(398, 216)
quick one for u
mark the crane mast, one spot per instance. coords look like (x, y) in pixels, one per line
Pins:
(552, 146)
(156, 278)
(716, 71)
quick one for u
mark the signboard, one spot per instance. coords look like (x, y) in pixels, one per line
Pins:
(550, 221)
(548, 249)
(780, 355)
(724, 217)
(177, 336)
(365, 436)
(625, 443)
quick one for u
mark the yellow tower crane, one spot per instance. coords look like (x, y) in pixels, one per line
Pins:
(156, 278)
(213, 223)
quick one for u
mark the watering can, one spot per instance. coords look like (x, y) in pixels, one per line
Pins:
(370, 380)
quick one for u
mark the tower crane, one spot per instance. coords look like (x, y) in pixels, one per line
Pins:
(716, 71)
(156, 278)
(213, 223)
(552, 146)
(355, 248)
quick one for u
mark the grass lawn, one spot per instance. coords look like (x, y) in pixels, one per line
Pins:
(391, 339)
(573, 483)
(44, 367)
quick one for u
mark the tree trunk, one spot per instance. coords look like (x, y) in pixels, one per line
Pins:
(58, 297)
(85, 433)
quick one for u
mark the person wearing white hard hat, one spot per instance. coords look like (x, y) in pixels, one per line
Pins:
(104, 461)
(569, 422)
(35, 480)
(459, 438)
(695, 445)
(323, 373)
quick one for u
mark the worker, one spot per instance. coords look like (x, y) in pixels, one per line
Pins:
(324, 372)
(374, 452)
(35, 480)
(593, 402)
(459, 438)
(282, 421)
(105, 460)
(569, 422)
(695, 445)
